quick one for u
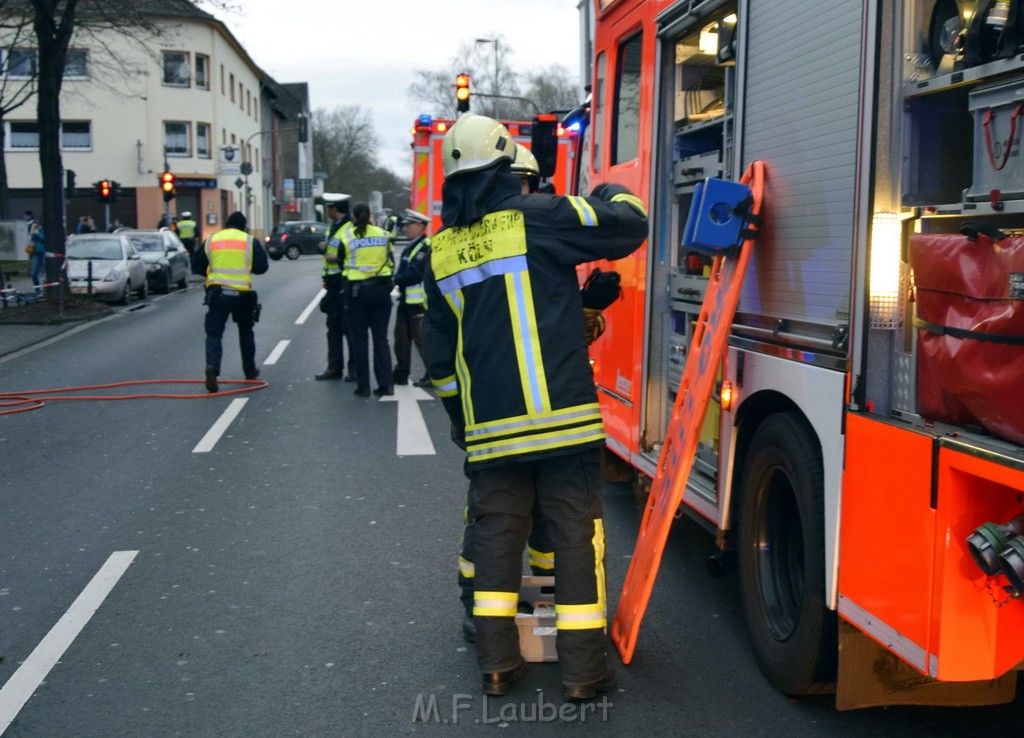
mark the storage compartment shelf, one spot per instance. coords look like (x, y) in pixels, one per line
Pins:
(974, 75)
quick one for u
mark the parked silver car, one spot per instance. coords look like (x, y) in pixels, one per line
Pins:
(167, 259)
(117, 270)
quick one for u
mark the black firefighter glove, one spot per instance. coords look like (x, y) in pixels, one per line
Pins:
(601, 289)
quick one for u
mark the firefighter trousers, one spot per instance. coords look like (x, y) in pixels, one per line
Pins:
(539, 553)
(568, 490)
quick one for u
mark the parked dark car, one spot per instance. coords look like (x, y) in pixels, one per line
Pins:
(167, 260)
(294, 238)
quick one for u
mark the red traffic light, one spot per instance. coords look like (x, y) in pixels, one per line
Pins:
(462, 92)
(167, 180)
(105, 188)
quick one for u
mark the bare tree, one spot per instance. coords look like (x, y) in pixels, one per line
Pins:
(496, 89)
(55, 22)
(345, 148)
(17, 85)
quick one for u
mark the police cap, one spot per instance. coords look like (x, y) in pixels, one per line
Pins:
(411, 216)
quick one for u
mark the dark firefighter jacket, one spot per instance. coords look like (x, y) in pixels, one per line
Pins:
(504, 334)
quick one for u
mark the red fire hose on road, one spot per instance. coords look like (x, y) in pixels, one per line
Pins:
(21, 402)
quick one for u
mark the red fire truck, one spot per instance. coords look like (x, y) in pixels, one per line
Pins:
(428, 174)
(861, 461)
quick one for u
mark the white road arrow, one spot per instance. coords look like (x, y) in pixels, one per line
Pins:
(413, 436)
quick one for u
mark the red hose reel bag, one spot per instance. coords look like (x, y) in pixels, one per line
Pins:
(970, 330)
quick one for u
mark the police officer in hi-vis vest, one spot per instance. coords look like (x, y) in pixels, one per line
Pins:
(229, 258)
(367, 271)
(412, 266)
(187, 231)
(333, 302)
(507, 354)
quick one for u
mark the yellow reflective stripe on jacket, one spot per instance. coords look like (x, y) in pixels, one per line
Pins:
(561, 438)
(633, 200)
(463, 388)
(229, 253)
(540, 559)
(527, 341)
(447, 387)
(534, 421)
(467, 568)
(495, 604)
(583, 209)
(186, 228)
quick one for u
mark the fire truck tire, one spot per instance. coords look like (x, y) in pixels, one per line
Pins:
(781, 552)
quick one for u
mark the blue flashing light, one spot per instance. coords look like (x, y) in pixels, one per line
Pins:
(424, 121)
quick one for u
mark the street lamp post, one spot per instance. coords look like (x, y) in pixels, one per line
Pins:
(494, 80)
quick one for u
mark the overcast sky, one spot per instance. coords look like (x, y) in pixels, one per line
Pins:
(365, 52)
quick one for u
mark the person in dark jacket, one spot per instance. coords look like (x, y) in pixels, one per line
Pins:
(507, 354)
(333, 302)
(228, 259)
(412, 266)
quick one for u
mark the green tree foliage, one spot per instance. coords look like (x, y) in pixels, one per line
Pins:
(345, 148)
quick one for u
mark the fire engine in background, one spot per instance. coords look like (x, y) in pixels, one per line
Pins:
(428, 173)
(863, 459)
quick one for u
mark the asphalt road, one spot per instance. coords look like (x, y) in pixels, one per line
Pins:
(298, 578)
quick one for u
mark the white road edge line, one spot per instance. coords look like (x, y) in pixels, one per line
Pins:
(24, 682)
(276, 353)
(217, 429)
(311, 307)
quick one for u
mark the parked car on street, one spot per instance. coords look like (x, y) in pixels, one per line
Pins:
(295, 238)
(117, 270)
(166, 258)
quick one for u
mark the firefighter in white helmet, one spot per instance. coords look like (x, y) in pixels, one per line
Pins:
(506, 353)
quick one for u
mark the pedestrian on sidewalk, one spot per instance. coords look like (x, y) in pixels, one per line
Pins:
(37, 253)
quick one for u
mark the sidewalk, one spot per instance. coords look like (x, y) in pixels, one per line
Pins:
(17, 333)
(16, 336)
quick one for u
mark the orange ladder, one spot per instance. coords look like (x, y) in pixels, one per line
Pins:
(680, 446)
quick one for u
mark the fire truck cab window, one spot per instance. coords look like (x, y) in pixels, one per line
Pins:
(626, 126)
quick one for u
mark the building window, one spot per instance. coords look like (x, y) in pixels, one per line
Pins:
(21, 63)
(241, 95)
(203, 71)
(222, 79)
(176, 69)
(23, 135)
(176, 138)
(203, 140)
(75, 134)
(77, 64)
(231, 83)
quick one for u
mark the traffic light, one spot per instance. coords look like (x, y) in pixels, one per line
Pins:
(104, 190)
(462, 92)
(167, 180)
(69, 183)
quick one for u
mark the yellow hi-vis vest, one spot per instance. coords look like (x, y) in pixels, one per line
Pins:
(332, 247)
(186, 228)
(368, 255)
(230, 255)
(416, 294)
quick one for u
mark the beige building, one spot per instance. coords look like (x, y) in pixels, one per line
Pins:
(188, 101)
